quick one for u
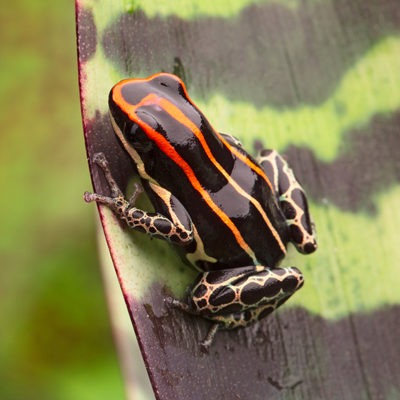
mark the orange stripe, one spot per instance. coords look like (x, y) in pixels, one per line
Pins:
(170, 151)
(247, 161)
(179, 116)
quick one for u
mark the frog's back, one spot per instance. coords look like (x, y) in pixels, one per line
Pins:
(230, 202)
(226, 194)
(242, 224)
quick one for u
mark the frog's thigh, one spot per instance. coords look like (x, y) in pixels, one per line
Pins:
(292, 200)
(237, 297)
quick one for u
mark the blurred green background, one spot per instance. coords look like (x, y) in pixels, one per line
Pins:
(56, 340)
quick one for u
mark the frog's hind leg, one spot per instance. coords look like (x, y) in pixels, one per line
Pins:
(239, 296)
(292, 200)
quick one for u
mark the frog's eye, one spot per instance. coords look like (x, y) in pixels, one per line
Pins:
(134, 130)
(132, 133)
(147, 119)
(137, 138)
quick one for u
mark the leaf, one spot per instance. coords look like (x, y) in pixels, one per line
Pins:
(318, 81)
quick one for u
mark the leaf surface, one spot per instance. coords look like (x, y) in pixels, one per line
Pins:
(318, 81)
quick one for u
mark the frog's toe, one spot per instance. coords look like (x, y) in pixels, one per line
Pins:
(100, 159)
(305, 243)
(207, 341)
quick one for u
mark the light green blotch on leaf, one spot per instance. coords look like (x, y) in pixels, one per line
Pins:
(356, 267)
(100, 76)
(180, 8)
(104, 11)
(370, 87)
(195, 8)
(130, 6)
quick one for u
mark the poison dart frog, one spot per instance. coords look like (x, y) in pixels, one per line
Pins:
(230, 215)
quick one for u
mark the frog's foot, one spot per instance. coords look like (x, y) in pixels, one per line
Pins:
(238, 297)
(155, 224)
(292, 200)
(207, 341)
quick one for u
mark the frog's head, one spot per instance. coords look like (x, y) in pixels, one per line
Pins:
(156, 120)
(153, 111)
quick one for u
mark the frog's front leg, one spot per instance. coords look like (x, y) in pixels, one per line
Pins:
(169, 227)
(237, 297)
(292, 200)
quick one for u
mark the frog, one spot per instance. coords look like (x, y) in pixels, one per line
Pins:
(229, 215)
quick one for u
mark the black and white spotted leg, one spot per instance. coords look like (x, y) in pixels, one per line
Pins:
(155, 224)
(292, 200)
(239, 296)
